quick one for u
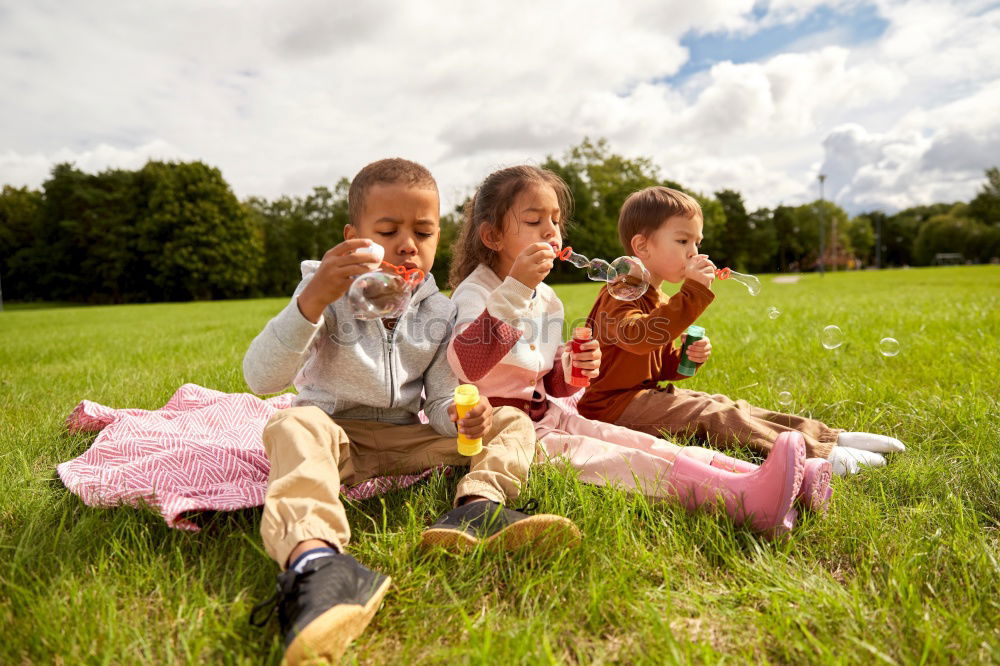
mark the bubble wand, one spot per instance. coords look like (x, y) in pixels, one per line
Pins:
(627, 278)
(749, 281)
(411, 276)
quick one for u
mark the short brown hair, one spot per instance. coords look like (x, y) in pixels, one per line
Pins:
(646, 210)
(489, 206)
(388, 171)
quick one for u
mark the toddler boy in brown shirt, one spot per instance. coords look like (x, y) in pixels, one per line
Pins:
(663, 227)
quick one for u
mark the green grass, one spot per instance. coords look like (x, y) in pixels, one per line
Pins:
(903, 569)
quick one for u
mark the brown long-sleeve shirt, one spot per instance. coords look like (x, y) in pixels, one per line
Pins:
(637, 344)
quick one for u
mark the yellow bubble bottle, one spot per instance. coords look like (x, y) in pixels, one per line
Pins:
(467, 397)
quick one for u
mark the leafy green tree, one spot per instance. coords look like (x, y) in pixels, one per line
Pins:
(714, 217)
(985, 243)
(985, 207)
(88, 236)
(763, 244)
(451, 225)
(861, 237)
(879, 224)
(21, 258)
(789, 251)
(901, 229)
(293, 229)
(193, 234)
(947, 233)
(809, 219)
(325, 212)
(735, 248)
(279, 272)
(600, 181)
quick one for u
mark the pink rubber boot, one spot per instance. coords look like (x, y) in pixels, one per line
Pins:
(762, 498)
(815, 492)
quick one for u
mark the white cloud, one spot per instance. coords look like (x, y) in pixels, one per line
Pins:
(929, 156)
(283, 97)
(34, 168)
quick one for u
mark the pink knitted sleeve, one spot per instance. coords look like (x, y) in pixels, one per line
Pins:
(481, 345)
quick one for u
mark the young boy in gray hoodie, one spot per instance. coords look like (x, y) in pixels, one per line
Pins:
(360, 385)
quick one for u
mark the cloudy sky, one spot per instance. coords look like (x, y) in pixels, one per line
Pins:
(897, 102)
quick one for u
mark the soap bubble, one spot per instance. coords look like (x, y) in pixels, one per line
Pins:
(888, 346)
(629, 279)
(578, 260)
(749, 281)
(832, 337)
(599, 270)
(378, 294)
(773, 312)
(785, 398)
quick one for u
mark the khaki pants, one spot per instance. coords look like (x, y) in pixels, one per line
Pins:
(721, 421)
(311, 455)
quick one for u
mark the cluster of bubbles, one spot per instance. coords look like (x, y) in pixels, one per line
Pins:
(627, 278)
(773, 312)
(832, 337)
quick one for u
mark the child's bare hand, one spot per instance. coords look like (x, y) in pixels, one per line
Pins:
(588, 359)
(700, 269)
(533, 264)
(698, 352)
(477, 421)
(340, 265)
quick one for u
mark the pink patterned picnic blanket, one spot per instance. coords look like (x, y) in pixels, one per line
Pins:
(201, 451)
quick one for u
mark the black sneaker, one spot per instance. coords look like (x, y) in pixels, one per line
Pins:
(323, 608)
(462, 529)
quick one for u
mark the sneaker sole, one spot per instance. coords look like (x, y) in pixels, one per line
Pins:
(326, 638)
(544, 531)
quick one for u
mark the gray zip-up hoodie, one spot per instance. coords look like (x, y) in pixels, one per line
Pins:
(357, 369)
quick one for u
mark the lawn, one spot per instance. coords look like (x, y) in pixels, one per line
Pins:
(904, 568)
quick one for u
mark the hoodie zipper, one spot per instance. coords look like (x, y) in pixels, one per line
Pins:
(389, 334)
(388, 349)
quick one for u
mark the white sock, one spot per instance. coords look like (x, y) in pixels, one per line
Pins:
(847, 460)
(866, 441)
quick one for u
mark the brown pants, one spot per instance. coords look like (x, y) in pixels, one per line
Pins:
(721, 421)
(311, 455)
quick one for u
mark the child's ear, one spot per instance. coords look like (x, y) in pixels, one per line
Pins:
(640, 246)
(350, 232)
(488, 235)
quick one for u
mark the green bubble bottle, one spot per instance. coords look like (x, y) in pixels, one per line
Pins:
(687, 366)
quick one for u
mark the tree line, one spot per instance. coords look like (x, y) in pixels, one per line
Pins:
(175, 231)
